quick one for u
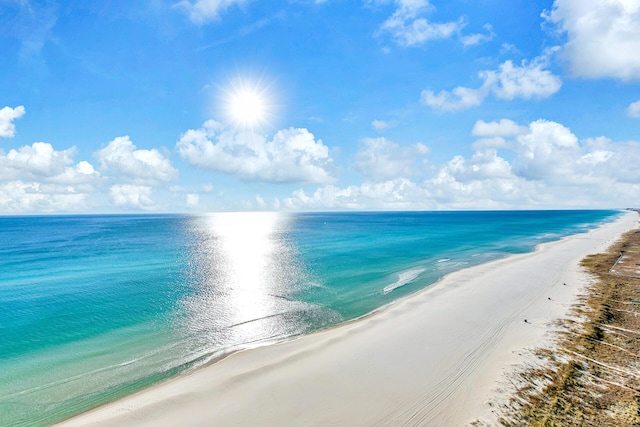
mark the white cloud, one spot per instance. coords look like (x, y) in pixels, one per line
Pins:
(83, 172)
(293, 155)
(394, 194)
(132, 196)
(41, 162)
(260, 203)
(381, 159)
(603, 37)
(548, 151)
(408, 27)
(508, 82)
(34, 197)
(459, 98)
(382, 125)
(203, 11)
(607, 158)
(37, 178)
(484, 164)
(38, 159)
(494, 134)
(138, 166)
(7, 116)
(478, 38)
(508, 48)
(551, 168)
(527, 81)
(634, 110)
(192, 200)
(589, 173)
(485, 181)
(491, 142)
(504, 127)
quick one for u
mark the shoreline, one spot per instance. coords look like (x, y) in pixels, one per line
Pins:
(586, 376)
(434, 356)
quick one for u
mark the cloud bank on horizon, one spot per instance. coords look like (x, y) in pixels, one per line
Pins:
(209, 105)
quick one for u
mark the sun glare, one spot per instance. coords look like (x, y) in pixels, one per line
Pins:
(247, 104)
(247, 108)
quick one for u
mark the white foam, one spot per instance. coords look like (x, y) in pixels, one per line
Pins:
(404, 278)
(444, 260)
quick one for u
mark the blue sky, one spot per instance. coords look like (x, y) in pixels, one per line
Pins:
(371, 104)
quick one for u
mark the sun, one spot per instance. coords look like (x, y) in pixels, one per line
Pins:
(248, 104)
(247, 107)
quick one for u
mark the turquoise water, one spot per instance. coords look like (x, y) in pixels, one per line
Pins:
(96, 307)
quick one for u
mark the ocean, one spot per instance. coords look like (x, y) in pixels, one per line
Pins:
(95, 307)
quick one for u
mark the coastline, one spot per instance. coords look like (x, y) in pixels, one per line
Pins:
(433, 357)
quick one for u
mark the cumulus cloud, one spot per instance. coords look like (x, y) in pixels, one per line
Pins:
(292, 155)
(135, 165)
(38, 178)
(132, 196)
(634, 110)
(529, 80)
(408, 27)
(485, 181)
(203, 11)
(82, 173)
(381, 159)
(525, 81)
(394, 194)
(31, 197)
(7, 116)
(495, 134)
(605, 158)
(39, 159)
(41, 162)
(603, 37)
(550, 168)
(548, 151)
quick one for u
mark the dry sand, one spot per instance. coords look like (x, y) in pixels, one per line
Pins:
(436, 358)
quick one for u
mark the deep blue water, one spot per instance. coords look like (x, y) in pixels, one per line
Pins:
(96, 307)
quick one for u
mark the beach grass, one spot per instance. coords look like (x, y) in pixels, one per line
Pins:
(592, 375)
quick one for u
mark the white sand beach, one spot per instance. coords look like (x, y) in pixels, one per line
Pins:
(436, 358)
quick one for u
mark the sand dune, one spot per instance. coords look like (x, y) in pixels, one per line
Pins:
(435, 358)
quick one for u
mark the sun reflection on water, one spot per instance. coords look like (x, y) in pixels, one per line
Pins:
(249, 246)
(244, 275)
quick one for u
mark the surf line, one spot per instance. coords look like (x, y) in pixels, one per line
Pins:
(404, 278)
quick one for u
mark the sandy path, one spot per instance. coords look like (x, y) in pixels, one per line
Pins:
(435, 358)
